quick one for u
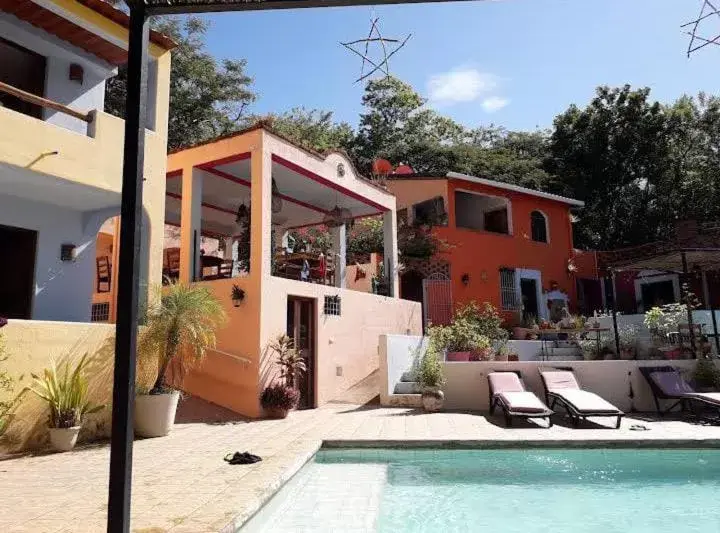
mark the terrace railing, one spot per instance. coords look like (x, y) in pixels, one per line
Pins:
(43, 102)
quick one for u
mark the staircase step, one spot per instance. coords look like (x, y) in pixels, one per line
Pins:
(408, 376)
(407, 387)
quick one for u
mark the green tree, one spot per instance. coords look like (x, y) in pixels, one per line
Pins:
(311, 128)
(208, 98)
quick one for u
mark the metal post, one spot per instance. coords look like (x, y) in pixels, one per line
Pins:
(715, 331)
(614, 317)
(121, 444)
(691, 328)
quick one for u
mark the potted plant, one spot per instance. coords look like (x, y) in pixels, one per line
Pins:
(180, 329)
(278, 400)
(237, 295)
(65, 392)
(430, 376)
(627, 335)
(706, 375)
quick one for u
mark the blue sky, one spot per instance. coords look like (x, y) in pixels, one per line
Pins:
(515, 63)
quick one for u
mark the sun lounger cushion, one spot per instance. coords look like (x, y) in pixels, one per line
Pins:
(671, 383)
(710, 397)
(585, 402)
(560, 379)
(523, 402)
(505, 382)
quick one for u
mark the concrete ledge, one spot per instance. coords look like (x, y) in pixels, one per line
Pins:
(490, 444)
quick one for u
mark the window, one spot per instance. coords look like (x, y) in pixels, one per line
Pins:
(100, 312)
(508, 294)
(482, 212)
(538, 226)
(332, 305)
(430, 212)
(25, 70)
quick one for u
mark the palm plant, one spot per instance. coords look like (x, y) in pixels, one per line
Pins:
(65, 391)
(181, 327)
(291, 362)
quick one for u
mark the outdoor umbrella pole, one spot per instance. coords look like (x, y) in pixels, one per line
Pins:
(691, 328)
(614, 316)
(121, 444)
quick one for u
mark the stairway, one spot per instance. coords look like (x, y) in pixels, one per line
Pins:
(406, 392)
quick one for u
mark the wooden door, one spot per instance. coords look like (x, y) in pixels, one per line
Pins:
(301, 328)
(17, 271)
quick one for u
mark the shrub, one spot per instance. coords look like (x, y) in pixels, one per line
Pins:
(706, 374)
(280, 396)
(430, 370)
(289, 359)
(6, 383)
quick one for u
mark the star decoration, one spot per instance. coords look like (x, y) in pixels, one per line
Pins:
(708, 14)
(363, 48)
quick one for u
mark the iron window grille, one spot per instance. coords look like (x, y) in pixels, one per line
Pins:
(508, 293)
(100, 312)
(332, 305)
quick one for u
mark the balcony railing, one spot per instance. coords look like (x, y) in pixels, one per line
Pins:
(43, 102)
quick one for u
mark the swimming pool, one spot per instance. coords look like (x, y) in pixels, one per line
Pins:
(503, 491)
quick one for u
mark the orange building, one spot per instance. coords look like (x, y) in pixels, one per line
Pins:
(507, 245)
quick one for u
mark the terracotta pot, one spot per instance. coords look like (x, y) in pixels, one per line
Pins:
(502, 357)
(481, 355)
(520, 334)
(627, 354)
(457, 357)
(432, 399)
(513, 357)
(155, 414)
(64, 439)
(276, 412)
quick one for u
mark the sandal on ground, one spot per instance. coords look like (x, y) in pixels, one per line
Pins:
(244, 458)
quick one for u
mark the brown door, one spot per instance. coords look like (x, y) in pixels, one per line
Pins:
(17, 271)
(301, 328)
(23, 69)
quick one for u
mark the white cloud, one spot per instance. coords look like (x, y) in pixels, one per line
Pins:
(494, 103)
(460, 85)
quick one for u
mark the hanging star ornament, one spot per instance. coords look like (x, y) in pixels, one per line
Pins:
(707, 20)
(386, 48)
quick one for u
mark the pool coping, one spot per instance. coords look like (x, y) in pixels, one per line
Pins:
(272, 488)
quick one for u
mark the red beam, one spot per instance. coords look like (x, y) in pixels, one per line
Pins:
(204, 204)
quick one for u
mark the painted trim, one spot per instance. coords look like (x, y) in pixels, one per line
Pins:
(536, 275)
(515, 188)
(203, 204)
(205, 233)
(226, 160)
(324, 181)
(547, 226)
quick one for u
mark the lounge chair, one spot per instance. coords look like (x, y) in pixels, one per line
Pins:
(508, 392)
(667, 383)
(562, 387)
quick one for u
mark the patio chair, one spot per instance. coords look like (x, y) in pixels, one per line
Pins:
(171, 272)
(562, 388)
(667, 383)
(103, 274)
(508, 392)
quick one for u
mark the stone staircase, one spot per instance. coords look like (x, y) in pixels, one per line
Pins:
(406, 392)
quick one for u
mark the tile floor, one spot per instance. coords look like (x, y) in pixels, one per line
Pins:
(182, 485)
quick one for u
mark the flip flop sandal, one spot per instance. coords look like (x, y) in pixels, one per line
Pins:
(244, 458)
(639, 427)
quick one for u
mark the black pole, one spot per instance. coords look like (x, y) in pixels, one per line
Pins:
(686, 293)
(121, 444)
(614, 316)
(715, 330)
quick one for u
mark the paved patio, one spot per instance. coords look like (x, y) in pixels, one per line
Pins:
(182, 485)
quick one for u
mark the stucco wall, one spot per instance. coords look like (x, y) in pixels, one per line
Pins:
(63, 290)
(409, 192)
(466, 386)
(32, 345)
(398, 354)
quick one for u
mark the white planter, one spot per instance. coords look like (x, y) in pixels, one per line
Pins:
(64, 439)
(155, 414)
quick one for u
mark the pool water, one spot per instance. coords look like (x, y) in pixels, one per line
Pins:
(500, 491)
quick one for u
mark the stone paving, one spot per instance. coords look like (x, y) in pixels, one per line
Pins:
(182, 485)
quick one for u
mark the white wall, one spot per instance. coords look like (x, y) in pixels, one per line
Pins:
(59, 54)
(397, 355)
(63, 290)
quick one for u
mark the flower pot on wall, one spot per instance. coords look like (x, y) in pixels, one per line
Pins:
(458, 357)
(432, 399)
(64, 439)
(155, 414)
(520, 334)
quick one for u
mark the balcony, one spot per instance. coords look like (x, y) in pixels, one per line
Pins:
(30, 144)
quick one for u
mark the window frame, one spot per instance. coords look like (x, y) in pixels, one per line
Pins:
(507, 289)
(546, 221)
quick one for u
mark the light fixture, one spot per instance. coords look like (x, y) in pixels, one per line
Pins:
(337, 216)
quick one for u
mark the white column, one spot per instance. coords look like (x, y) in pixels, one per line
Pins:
(390, 251)
(339, 245)
(228, 253)
(190, 225)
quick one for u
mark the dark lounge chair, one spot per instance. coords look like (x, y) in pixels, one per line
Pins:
(507, 391)
(562, 387)
(667, 383)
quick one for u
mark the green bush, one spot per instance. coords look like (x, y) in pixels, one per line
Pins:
(430, 370)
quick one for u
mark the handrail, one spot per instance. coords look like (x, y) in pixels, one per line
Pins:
(232, 356)
(43, 102)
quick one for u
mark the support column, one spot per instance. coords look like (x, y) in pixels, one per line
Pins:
(390, 252)
(190, 222)
(228, 251)
(339, 248)
(260, 213)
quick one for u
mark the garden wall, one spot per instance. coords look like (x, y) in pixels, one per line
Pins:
(32, 346)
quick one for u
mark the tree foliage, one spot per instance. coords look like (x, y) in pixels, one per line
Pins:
(208, 98)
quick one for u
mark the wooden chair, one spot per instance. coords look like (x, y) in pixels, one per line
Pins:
(225, 269)
(171, 272)
(104, 274)
(330, 268)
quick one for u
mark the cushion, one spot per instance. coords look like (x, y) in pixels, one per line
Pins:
(505, 382)
(585, 401)
(671, 383)
(560, 379)
(523, 402)
(711, 397)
